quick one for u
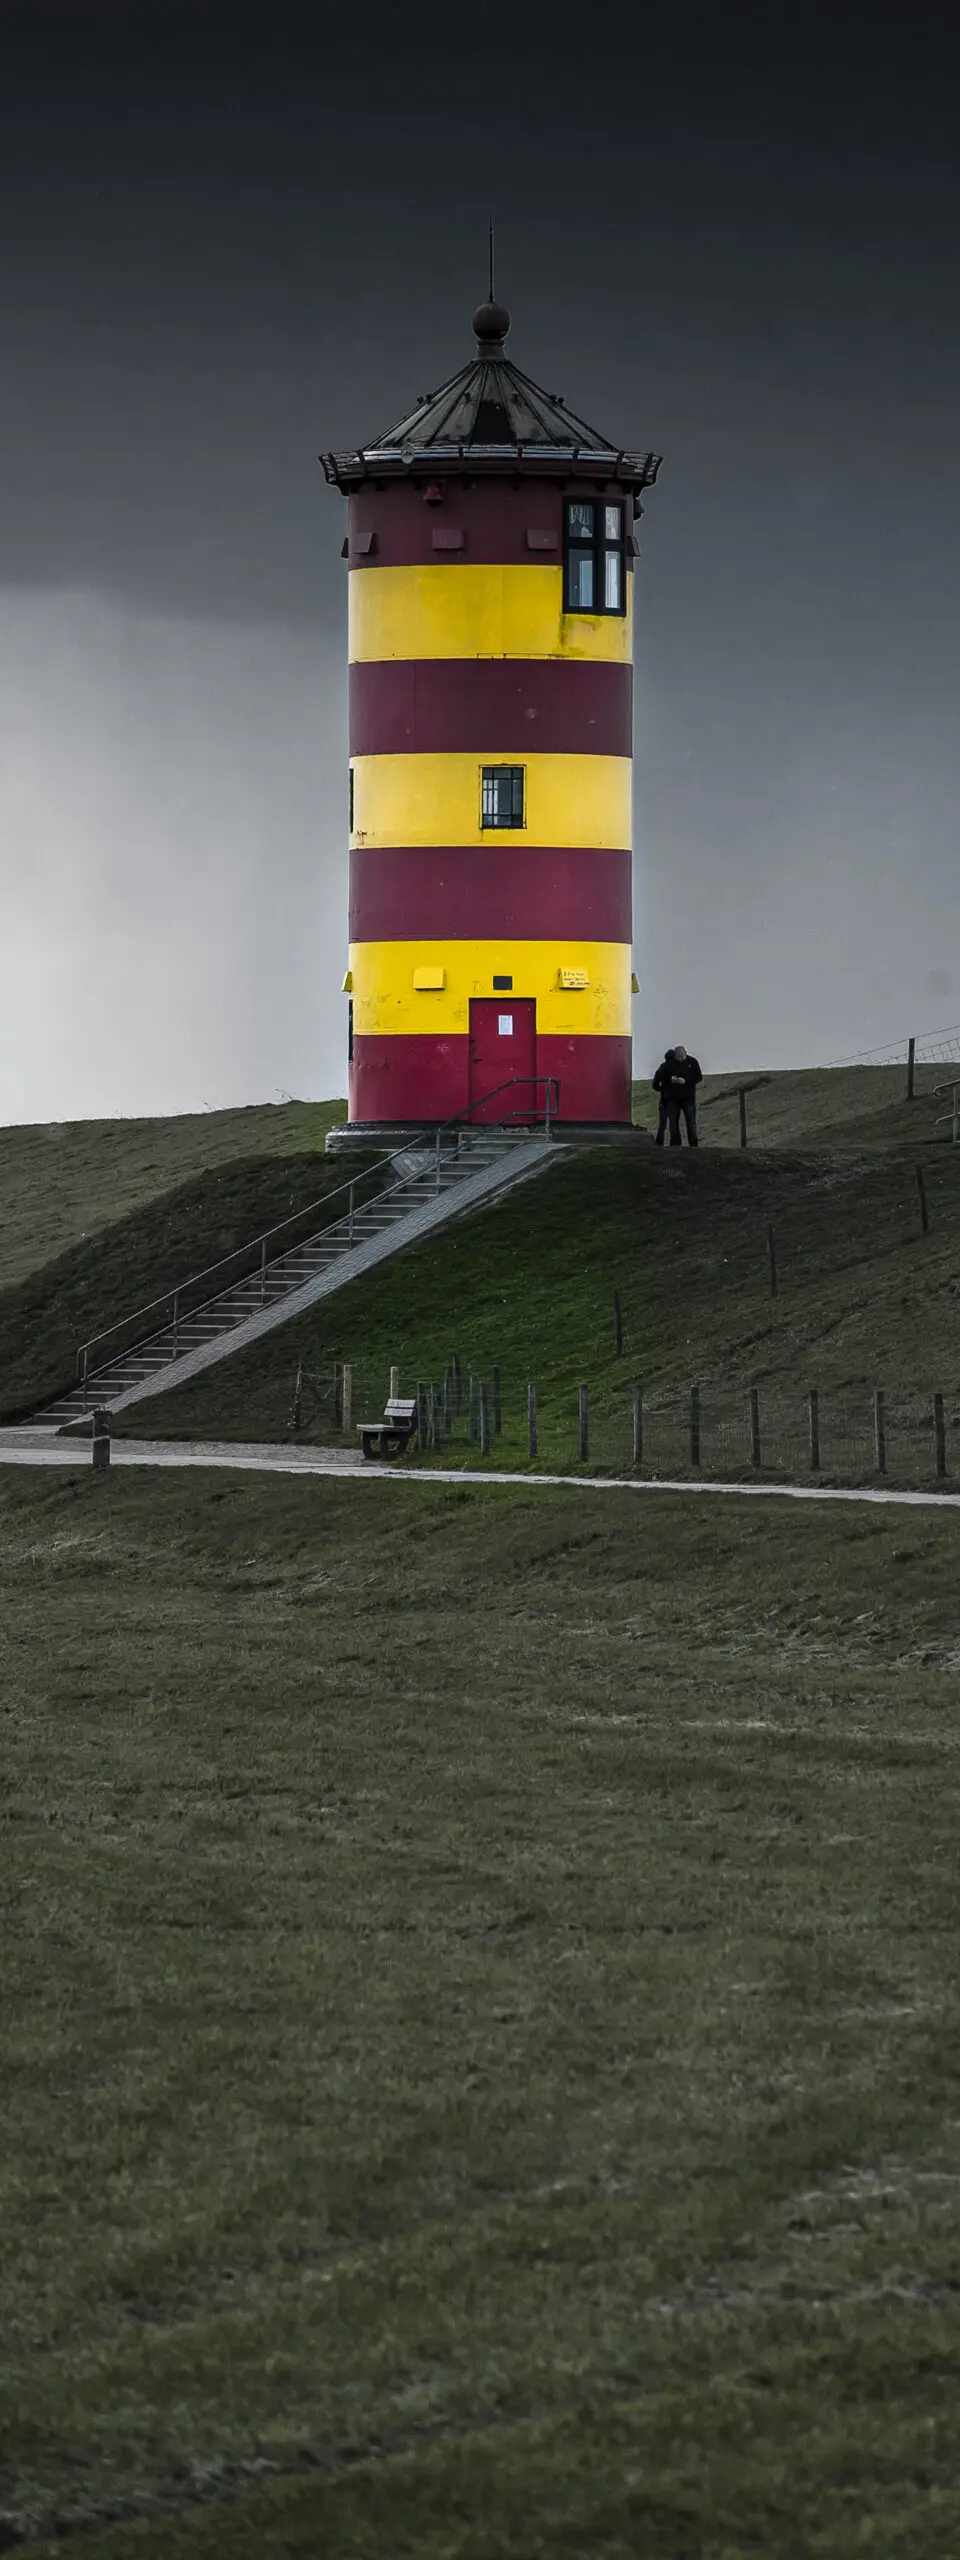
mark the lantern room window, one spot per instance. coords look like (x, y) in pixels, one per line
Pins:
(501, 795)
(594, 557)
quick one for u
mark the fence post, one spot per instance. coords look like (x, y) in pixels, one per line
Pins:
(346, 1399)
(298, 1398)
(457, 1382)
(922, 1197)
(474, 1406)
(100, 1452)
(531, 1418)
(350, 1213)
(421, 1415)
(436, 1183)
(742, 1099)
(484, 1420)
(617, 1326)
(940, 1435)
(263, 1270)
(584, 1423)
(497, 1401)
(955, 1133)
(638, 1424)
(880, 1431)
(911, 1064)
(756, 1450)
(447, 1403)
(176, 1322)
(84, 1381)
(772, 1260)
(814, 1428)
(694, 1426)
(432, 1416)
(394, 1382)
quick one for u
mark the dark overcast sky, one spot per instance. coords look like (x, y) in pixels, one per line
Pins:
(232, 234)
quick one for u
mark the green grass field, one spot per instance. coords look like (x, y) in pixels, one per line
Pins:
(480, 2017)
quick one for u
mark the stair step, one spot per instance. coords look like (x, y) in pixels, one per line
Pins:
(212, 1332)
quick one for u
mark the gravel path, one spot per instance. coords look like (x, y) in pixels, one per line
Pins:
(28, 1448)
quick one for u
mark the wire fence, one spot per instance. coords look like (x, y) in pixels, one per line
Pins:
(929, 1047)
(852, 1436)
(473, 1417)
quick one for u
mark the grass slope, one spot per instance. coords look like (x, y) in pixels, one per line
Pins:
(816, 1107)
(63, 1182)
(481, 2061)
(98, 1283)
(864, 1300)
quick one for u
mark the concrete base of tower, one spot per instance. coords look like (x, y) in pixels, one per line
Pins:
(383, 1137)
(423, 1080)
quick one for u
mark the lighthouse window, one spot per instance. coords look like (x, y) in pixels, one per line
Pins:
(594, 574)
(612, 581)
(501, 795)
(580, 582)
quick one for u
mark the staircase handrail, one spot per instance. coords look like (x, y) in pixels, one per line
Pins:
(260, 1242)
(551, 1085)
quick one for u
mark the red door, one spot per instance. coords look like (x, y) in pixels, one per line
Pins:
(503, 1047)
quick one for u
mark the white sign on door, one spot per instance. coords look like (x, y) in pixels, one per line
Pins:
(505, 1026)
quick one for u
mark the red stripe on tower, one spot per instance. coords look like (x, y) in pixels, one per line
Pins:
(440, 892)
(428, 1077)
(520, 706)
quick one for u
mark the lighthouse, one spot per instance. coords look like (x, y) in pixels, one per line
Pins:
(491, 550)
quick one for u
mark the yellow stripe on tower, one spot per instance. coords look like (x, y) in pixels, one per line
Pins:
(473, 609)
(385, 998)
(568, 800)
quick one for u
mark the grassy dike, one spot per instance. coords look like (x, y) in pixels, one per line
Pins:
(99, 1281)
(480, 2024)
(101, 1217)
(864, 1300)
(63, 1183)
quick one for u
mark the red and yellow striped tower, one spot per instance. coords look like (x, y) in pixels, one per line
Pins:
(491, 551)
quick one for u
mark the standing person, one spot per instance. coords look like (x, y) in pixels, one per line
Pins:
(668, 1085)
(690, 1074)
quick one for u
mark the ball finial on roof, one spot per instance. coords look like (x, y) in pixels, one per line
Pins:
(490, 325)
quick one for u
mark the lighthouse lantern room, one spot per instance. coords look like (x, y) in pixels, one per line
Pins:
(491, 556)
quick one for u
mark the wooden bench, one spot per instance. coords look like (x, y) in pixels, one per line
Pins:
(391, 1436)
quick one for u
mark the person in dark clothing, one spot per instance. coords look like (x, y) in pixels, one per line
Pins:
(691, 1074)
(676, 1082)
(663, 1088)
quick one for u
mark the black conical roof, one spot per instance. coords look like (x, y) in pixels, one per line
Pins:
(490, 414)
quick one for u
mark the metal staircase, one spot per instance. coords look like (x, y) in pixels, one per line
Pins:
(418, 1188)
